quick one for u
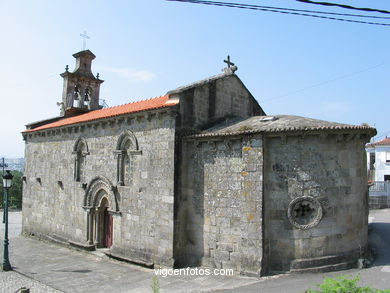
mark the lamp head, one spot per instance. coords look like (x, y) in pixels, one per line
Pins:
(7, 179)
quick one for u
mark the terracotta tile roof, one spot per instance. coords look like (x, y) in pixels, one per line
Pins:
(154, 103)
(385, 141)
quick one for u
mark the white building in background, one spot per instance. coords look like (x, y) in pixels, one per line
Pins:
(378, 160)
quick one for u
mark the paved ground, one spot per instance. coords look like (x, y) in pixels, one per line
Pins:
(46, 267)
(377, 276)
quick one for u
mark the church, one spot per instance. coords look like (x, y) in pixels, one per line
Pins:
(200, 176)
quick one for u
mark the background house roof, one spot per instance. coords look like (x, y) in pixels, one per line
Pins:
(385, 141)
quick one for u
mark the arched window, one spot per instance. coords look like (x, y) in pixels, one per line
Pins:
(80, 151)
(126, 147)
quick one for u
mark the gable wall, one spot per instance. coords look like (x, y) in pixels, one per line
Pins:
(225, 97)
(144, 230)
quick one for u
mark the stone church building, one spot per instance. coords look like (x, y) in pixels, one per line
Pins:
(200, 176)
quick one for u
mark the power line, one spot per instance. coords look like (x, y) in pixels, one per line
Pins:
(345, 6)
(326, 82)
(382, 134)
(309, 11)
(277, 10)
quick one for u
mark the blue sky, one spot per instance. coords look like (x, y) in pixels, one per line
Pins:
(145, 48)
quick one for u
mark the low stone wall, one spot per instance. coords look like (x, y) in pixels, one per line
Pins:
(378, 202)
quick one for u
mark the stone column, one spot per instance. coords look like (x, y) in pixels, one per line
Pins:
(76, 167)
(119, 167)
(97, 231)
(90, 225)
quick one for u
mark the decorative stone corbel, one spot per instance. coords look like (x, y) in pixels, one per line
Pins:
(212, 145)
(283, 139)
(339, 137)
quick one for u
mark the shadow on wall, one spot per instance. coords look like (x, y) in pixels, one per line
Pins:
(189, 222)
(379, 239)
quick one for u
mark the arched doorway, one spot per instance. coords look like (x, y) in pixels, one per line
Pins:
(101, 204)
(104, 224)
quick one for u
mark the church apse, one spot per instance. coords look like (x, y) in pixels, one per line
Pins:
(315, 202)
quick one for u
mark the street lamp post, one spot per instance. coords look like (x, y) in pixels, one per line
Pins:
(3, 165)
(7, 183)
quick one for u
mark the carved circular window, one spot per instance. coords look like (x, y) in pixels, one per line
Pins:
(304, 212)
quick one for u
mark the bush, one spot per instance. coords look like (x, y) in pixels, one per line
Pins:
(155, 285)
(344, 284)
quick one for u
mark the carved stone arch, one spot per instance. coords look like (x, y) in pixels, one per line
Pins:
(125, 136)
(126, 147)
(101, 201)
(80, 140)
(80, 151)
(93, 196)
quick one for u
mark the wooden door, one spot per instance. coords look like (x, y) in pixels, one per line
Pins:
(108, 229)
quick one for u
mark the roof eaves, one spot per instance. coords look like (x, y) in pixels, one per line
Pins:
(288, 129)
(98, 118)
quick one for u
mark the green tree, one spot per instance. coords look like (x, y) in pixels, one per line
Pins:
(15, 192)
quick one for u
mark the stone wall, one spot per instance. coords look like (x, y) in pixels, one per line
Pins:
(143, 228)
(219, 218)
(315, 199)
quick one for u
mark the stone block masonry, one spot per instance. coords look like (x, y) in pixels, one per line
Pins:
(219, 220)
(322, 183)
(143, 211)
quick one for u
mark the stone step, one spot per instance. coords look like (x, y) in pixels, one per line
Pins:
(318, 261)
(323, 269)
(100, 253)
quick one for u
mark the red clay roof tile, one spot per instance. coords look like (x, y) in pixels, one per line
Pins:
(155, 103)
(385, 141)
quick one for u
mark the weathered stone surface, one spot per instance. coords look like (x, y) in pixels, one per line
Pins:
(310, 167)
(219, 217)
(146, 207)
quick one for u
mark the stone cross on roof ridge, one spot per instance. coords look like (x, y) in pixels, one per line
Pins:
(231, 66)
(228, 62)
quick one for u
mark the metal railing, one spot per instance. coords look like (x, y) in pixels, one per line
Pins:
(380, 188)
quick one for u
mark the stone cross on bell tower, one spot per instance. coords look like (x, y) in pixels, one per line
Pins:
(85, 38)
(81, 87)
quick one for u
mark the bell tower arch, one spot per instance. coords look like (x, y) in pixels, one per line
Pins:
(81, 88)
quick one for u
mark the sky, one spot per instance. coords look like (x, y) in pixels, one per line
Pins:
(329, 70)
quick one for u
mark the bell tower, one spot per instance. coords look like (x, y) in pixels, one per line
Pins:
(81, 88)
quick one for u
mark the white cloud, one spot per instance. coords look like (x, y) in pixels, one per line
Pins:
(129, 73)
